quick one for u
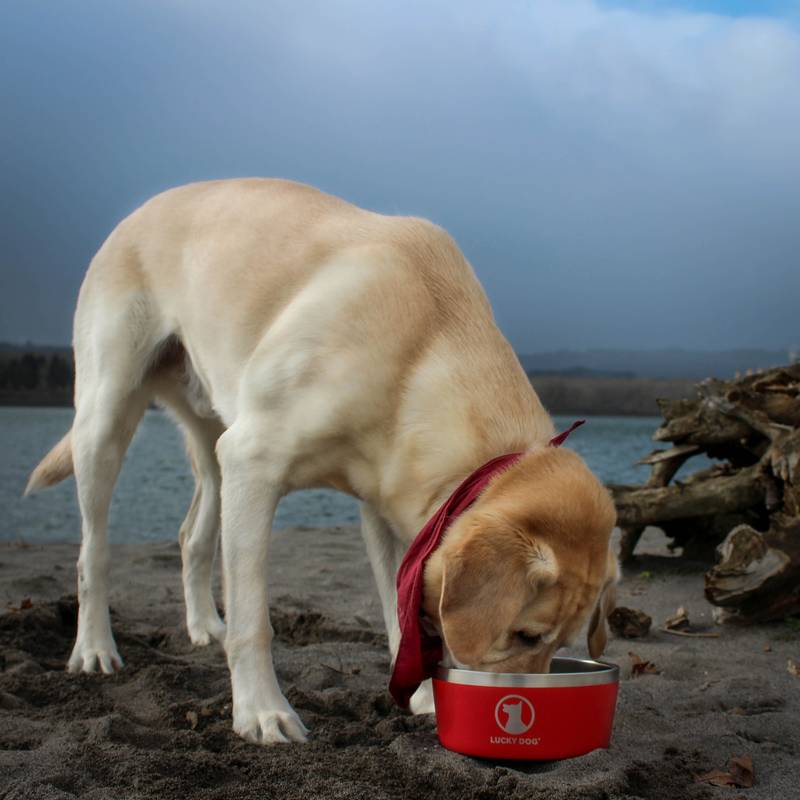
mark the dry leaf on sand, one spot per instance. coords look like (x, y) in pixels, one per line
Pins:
(739, 775)
(640, 666)
(793, 667)
(25, 605)
(679, 625)
(678, 621)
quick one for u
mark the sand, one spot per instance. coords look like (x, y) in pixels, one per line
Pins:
(161, 728)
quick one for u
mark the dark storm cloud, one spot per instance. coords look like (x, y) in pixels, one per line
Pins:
(617, 178)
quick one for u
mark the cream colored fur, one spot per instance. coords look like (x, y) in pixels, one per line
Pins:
(300, 341)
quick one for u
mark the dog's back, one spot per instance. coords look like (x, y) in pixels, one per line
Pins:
(219, 265)
(203, 280)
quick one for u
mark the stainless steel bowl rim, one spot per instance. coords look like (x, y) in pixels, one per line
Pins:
(584, 672)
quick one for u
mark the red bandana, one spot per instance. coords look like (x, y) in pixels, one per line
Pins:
(419, 651)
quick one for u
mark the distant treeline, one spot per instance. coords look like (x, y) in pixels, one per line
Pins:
(608, 396)
(36, 379)
(669, 363)
(46, 378)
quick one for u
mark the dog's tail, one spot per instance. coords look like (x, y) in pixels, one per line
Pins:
(54, 467)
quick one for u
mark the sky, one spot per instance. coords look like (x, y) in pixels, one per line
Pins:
(620, 174)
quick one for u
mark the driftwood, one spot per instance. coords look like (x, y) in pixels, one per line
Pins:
(758, 576)
(750, 501)
(665, 463)
(715, 493)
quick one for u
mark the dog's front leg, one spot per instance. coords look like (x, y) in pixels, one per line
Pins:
(250, 493)
(385, 553)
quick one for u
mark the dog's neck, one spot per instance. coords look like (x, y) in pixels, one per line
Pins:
(409, 511)
(461, 407)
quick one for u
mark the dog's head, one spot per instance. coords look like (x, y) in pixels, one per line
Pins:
(522, 570)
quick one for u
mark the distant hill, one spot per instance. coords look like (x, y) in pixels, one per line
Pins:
(694, 364)
(583, 372)
(611, 396)
(674, 363)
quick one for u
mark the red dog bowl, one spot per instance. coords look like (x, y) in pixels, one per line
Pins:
(566, 712)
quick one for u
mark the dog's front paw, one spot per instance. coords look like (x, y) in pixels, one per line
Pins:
(87, 658)
(201, 632)
(422, 700)
(270, 727)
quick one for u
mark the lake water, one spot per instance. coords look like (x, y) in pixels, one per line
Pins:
(155, 487)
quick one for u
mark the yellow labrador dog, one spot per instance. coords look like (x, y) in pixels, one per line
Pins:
(303, 342)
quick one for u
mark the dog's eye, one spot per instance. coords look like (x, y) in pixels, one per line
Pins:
(529, 639)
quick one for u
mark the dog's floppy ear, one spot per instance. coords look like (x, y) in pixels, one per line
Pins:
(486, 581)
(606, 602)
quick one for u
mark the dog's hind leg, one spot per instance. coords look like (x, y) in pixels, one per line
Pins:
(100, 436)
(112, 345)
(199, 538)
(199, 533)
(385, 553)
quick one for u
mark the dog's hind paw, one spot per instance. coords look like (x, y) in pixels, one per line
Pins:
(201, 633)
(271, 727)
(85, 658)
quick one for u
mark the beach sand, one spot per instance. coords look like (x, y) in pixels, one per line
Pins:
(161, 728)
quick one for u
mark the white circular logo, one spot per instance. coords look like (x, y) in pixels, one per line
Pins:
(514, 714)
